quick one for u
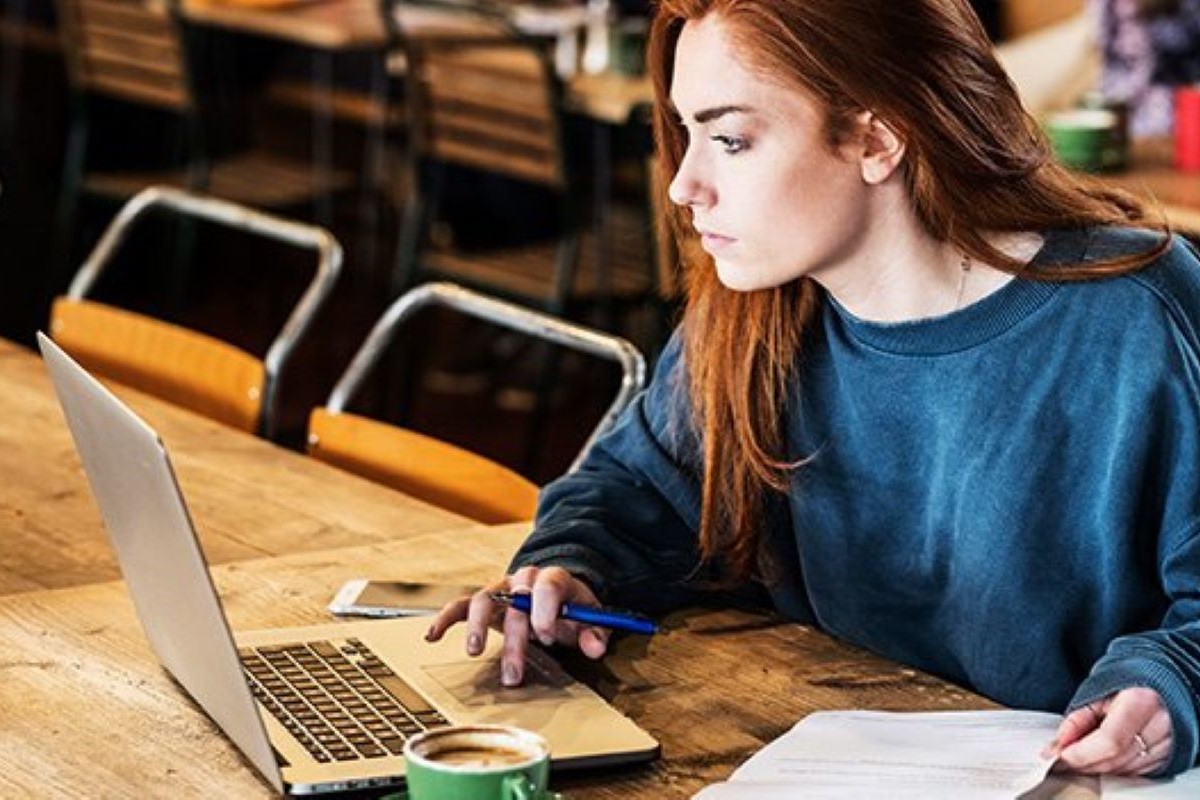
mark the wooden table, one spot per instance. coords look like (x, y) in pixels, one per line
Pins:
(343, 25)
(1153, 177)
(715, 688)
(248, 498)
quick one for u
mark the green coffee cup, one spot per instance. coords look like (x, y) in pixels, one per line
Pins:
(1082, 137)
(477, 762)
(628, 46)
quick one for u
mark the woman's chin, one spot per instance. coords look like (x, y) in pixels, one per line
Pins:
(738, 278)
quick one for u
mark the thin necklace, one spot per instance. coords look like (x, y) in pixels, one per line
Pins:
(965, 265)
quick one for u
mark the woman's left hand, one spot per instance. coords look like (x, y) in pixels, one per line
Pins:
(1127, 733)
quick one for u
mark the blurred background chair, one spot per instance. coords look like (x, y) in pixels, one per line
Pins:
(512, 196)
(184, 366)
(136, 55)
(489, 107)
(436, 471)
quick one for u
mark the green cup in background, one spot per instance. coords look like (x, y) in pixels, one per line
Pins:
(1116, 153)
(628, 45)
(477, 762)
(1081, 137)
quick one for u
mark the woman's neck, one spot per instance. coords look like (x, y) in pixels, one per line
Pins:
(898, 272)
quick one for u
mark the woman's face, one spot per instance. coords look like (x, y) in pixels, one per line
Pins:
(768, 197)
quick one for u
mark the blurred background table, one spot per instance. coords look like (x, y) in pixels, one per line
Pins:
(1153, 177)
(342, 25)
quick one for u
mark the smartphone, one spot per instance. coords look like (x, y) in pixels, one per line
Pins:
(367, 598)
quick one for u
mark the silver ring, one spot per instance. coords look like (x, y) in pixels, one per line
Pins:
(1143, 750)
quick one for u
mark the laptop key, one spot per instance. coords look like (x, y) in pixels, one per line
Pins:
(404, 694)
(394, 745)
(325, 650)
(431, 719)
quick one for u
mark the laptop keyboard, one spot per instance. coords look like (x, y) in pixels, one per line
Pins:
(337, 698)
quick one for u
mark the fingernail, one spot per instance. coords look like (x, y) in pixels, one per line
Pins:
(510, 675)
(429, 634)
(474, 645)
(546, 640)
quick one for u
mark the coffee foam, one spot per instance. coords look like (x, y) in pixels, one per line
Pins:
(477, 748)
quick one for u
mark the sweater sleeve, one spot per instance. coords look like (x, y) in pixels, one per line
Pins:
(1167, 658)
(626, 521)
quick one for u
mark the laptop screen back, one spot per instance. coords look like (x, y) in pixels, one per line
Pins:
(164, 568)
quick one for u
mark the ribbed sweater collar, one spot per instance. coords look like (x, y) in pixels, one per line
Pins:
(978, 322)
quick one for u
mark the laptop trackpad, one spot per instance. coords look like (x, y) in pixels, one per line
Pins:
(475, 683)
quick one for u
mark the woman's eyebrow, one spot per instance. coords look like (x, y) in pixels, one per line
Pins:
(716, 112)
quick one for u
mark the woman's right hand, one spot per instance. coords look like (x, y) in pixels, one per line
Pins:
(549, 588)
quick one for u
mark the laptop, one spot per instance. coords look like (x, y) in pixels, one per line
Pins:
(315, 709)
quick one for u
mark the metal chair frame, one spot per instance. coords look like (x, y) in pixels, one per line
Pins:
(237, 217)
(509, 315)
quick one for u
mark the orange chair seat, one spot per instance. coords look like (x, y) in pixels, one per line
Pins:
(423, 467)
(183, 367)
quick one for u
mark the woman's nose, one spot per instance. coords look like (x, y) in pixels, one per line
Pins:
(686, 189)
(680, 191)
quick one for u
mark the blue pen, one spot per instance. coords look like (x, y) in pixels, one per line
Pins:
(589, 615)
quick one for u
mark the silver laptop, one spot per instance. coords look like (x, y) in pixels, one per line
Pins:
(315, 709)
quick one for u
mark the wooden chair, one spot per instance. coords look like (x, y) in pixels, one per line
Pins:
(134, 51)
(433, 470)
(188, 368)
(493, 103)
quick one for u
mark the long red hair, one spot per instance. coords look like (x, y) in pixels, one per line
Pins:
(975, 162)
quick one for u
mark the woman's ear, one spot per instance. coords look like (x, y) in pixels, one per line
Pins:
(882, 148)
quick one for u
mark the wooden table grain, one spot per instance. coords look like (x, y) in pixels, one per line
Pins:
(86, 709)
(248, 498)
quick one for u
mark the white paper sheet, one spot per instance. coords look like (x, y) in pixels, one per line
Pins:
(953, 755)
(975, 755)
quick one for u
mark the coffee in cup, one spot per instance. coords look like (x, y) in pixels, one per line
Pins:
(477, 762)
(472, 754)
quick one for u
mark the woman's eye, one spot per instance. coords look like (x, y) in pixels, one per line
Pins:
(732, 145)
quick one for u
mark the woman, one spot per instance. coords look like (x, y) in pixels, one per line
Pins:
(926, 389)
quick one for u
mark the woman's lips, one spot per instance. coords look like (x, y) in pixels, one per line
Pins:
(713, 242)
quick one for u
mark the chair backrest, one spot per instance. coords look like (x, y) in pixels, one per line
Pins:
(185, 367)
(435, 471)
(130, 49)
(488, 99)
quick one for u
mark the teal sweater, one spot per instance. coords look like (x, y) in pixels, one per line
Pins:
(1007, 496)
